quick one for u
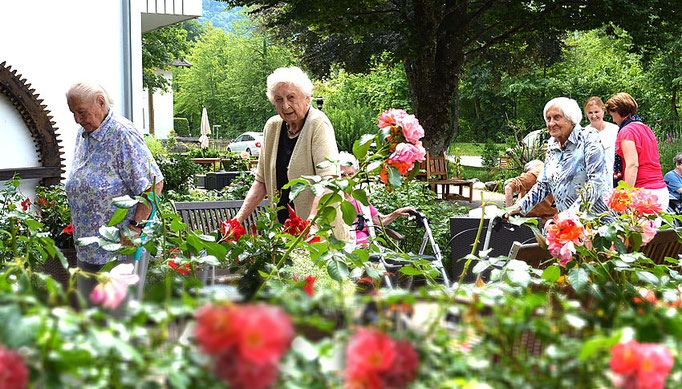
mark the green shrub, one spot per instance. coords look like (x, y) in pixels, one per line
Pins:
(181, 126)
(350, 123)
(669, 144)
(155, 145)
(491, 154)
(178, 172)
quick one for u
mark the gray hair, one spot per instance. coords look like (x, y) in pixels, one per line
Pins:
(292, 75)
(89, 91)
(569, 107)
(530, 165)
(677, 159)
(348, 159)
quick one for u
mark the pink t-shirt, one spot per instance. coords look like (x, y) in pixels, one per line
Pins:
(361, 236)
(649, 174)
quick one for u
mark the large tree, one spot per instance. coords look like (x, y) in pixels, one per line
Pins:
(434, 39)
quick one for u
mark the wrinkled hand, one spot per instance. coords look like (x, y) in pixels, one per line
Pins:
(404, 211)
(515, 210)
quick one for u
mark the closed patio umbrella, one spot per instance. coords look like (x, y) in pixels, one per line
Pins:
(205, 129)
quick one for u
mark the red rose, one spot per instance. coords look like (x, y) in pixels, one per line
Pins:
(295, 225)
(68, 229)
(404, 367)
(232, 230)
(266, 333)
(25, 204)
(309, 285)
(242, 373)
(624, 357)
(184, 269)
(218, 328)
(13, 372)
(369, 352)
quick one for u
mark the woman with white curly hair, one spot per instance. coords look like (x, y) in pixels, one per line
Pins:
(295, 142)
(574, 163)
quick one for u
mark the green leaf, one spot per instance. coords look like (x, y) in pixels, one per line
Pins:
(124, 202)
(177, 225)
(598, 345)
(373, 166)
(323, 165)
(552, 273)
(361, 146)
(118, 217)
(410, 271)
(349, 212)
(361, 196)
(394, 177)
(296, 189)
(110, 233)
(647, 277)
(635, 240)
(337, 270)
(578, 278)
(317, 189)
(33, 224)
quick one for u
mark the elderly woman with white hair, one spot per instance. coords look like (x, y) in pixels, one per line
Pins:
(574, 163)
(295, 142)
(111, 160)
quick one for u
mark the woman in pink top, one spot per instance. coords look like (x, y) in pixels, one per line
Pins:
(637, 159)
(368, 217)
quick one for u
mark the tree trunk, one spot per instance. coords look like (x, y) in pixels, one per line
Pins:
(150, 102)
(435, 100)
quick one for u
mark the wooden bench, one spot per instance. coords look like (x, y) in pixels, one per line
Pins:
(207, 216)
(214, 161)
(664, 244)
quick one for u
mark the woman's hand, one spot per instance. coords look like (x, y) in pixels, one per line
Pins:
(405, 211)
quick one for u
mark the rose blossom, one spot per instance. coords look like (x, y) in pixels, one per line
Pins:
(26, 204)
(645, 203)
(643, 366)
(111, 292)
(412, 130)
(390, 117)
(241, 373)
(232, 230)
(617, 199)
(13, 372)
(218, 327)
(563, 233)
(649, 230)
(267, 333)
(309, 285)
(409, 153)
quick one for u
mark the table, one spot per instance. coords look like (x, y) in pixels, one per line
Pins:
(208, 160)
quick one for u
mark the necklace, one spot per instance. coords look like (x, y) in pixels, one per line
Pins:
(292, 133)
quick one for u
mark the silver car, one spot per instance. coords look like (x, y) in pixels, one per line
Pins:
(250, 142)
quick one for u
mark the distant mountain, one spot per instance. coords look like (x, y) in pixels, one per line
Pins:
(217, 13)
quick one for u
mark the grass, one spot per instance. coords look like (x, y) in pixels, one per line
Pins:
(471, 148)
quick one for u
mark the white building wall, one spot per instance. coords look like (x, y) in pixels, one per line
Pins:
(163, 109)
(55, 44)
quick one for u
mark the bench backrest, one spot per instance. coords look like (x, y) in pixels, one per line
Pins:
(664, 244)
(207, 216)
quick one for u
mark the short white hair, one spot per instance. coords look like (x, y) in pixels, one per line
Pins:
(569, 107)
(292, 75)
(348, 159)
(89, 91)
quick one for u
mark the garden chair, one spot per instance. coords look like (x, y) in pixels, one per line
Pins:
(437, 176)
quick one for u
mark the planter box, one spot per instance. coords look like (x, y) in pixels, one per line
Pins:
(219, 180)
(200, 180)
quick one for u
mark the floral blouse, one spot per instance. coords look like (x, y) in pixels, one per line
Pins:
(578, 166)
(112, 161)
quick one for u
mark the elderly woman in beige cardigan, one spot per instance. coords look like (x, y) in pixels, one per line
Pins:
(295, 141)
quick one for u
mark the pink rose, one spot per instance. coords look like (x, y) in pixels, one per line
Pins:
(407, 152)
(649, 230)
(412, 130)
(390, 117)
(111, 292)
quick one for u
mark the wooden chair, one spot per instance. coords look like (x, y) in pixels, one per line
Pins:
(437, 176)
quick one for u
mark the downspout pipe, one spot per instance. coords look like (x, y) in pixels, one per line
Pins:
(127, 106)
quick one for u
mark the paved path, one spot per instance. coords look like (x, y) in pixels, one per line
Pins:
(471, 160)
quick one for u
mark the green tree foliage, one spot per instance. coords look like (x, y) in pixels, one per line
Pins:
(435, 39)
(228, 77)
(159, 49)
(354, 101)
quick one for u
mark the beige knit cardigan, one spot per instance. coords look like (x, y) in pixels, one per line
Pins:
(316, 142)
